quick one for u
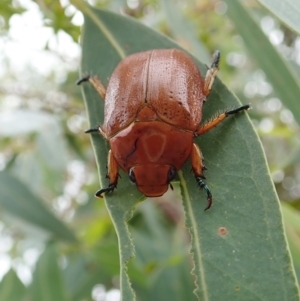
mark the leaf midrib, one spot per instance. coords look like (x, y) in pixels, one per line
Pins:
(85, 8)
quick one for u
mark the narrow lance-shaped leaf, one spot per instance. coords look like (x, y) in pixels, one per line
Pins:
(101, 52)
(47, 283)
(287, 11)
(279, 74)
(19, 201)
(11, 287)
(183, 31)
(239, 247)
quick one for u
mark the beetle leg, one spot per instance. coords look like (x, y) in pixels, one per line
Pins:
(95, 82)
(112, 174)
(211, 73)
(198, 168)
(197, 161)
(218, 119)
(97, 129)
(202, 184)
(92, 130)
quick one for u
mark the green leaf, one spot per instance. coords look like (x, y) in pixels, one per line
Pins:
(251, 262)
(183, 31)
(161, 258)
(19, 201)
(81, 275)
(11, 287)
(292, 228)
(97, 39)
(287, 11)
(246, 209)
(280, 75)
(47, 284)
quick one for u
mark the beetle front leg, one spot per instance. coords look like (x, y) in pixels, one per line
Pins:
(211, 73)
(95, 82)
(198, 168)
(112, 175)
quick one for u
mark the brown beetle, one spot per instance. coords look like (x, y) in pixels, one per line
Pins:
(153, 109)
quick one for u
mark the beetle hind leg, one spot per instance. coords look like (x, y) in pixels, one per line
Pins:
(112, 175)
(211, 73)
(198, 167)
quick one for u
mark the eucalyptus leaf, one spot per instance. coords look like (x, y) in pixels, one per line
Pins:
(18, 200)
(11, 287)
(81, 275)
(239, 246)
(162, 258)
(292, 228)
(47, 283)
(183, 30)
(281, 76)
(287, 11)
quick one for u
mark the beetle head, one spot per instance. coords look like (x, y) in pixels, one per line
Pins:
(152, 179)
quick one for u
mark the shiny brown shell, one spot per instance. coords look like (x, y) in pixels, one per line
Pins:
(165, 80)
(153, 109)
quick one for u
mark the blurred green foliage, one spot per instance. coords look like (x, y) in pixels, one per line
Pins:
(42, 119)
